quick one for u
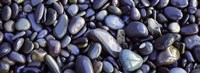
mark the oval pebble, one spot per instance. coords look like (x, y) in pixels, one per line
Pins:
(114, 22)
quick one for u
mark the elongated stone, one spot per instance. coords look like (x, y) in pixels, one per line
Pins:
(35, 26)
(52, 16)
(173, 13)
(5, 48)
(97, 4)
(6, 13)
(39, 12)
(83, 65)
(15, 10)
(17, 57)
(192, 41)
(52, 65)
(61, 27)
(114, 22)
(27, 46)
(109, 43)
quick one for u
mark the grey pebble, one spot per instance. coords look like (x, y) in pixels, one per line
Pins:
(6, 13)
(17, 57)
(22, 24)
(39, 11)
(9, 26)
(73, 9)
(18, 44)
(35, 26)
(94, 51)
(114, 22)
(101, 15)
(76, 24)
(42, 34)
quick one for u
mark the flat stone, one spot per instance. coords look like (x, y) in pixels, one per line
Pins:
(22, 24)
(17, 57)
(130, 61)
(190, 29)
(108, 42)
(61, 27)
(114, 22)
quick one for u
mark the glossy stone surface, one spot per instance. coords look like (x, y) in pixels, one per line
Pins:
(177, 70)
(108, 42)
(94, 51)
(22, 24)
(173, 13)
(54, 47)
(4, 67)
(83, 64)
(192, 41)
(114, 22)
(5, 48)
(52, 64)
(130, 60)
(76, 24)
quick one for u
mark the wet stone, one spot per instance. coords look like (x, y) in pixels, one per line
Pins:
(177, 70)
(114, 22)
(17, 57)
(98, 66)
(115, 10)
(22, 24)
(173, 13)
(107, 41)
(101, 15)
(58, 7)
(4, 67)
(27, 46)
(18, 35)
(65, 41)
(136, 29)
(130, 61)
(36, 2)
(30, 69)
(61, 27)
(97, 4)
(154, 27)
(169, 56)
(5, 48)
(35, 26)
(52, 15)
(73, 10)
(162, 3)
(9, 26)
(107, 67)
(42, 42)
(135, 14)
(54, 47)
(15, 10)
(18, 44)
(179, 3)
(38, 55)
(6, 13)
(89, 13)
(189, 29)
(189, 57)
(42, 34)
(27, 8)
(164, 41)
(94, 51)
(146, 48)
(73, 49)
(76, 24)
(192, 41)
(39, 11)
(174, 27)
(52, 64)
(83, 64)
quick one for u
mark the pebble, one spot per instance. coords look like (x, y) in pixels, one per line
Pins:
(145, 68)
(98, 66)
(114, 10)
(22, 24)
(101, 15)
(196, 55)
(146, 48)
(30, 69)
(169, 56)
(83, 65)
(192, 41)
(9, 26)
(18, 44)
(173, 13)
(135, 14)
(97, 4)
(19, 1)
(35, 26)
(188, 56)
(76, 24)
(174, 27)
(192, 7)
(60, 29)
(27, 47)
(6, 13)
(27, 8)
(114, 22)
(36, 2)
(52, 64)
(177, 70)
(107, 67)
(18, 35)
(179, 3)
(189, 29)
(39, 12)
(130, 60)
(154, 27)
(107, 41)
(38, 55)
(42, 42)
(54, 47)
(42, 34)
(58, 7)
(164, 41)
(72, 10)
(65, 41)
(90, 12)
(136, 29)
(73, 49)
(162, 3)
(1, 36)
(5, 48)
(4, 67)
(52, 16)
(94, 51)
(69, 71)
(15, 10)
(17, 57)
